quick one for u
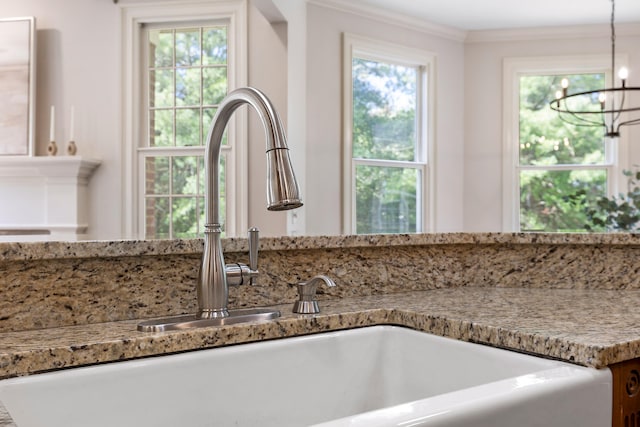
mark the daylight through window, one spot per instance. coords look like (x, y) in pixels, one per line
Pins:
(387, 142)
(562, 168)
(186, 77)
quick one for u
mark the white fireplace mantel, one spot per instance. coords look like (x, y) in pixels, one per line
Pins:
(44, 198)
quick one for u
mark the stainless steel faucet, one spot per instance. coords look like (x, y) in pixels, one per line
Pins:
(282, 194)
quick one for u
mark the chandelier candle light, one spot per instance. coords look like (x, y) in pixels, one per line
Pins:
(601, 107)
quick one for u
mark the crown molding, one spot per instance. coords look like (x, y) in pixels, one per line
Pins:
(393, 18)
(552, 33)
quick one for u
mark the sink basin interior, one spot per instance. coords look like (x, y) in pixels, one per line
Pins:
(381, 375)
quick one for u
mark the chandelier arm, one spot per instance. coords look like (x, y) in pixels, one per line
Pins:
(565, 109)
(579, 119)
(587, 112)
(621, 109)
(629, 122)
(586, 121)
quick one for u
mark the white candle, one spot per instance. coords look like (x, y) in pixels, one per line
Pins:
(52, 128)
(71, 126)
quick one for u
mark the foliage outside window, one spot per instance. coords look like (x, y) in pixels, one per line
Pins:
(618, 213)
(387, 144)
(561, 168)
(186, 77)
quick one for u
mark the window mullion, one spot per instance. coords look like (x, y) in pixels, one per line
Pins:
(173, 97)
(388, 163)
(564, 167)
(170, 197)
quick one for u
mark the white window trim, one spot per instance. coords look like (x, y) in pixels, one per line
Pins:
(513, 69)
(131, 19)
(363, 47)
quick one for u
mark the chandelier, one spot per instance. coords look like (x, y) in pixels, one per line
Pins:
(602, 107)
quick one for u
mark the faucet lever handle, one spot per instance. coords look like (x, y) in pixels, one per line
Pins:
(254, 243)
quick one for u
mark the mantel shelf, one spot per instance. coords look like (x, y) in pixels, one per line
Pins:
(45, 198)
(48, 166)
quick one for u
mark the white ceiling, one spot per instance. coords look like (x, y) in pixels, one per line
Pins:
(471, 15)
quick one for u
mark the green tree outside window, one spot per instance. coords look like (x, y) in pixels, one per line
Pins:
(384, 129)
(561, 166)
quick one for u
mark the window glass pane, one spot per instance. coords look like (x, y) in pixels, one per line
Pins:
(156, 175)
(215, 85)
(214, 46)
(161, 48)
(162, 83)
(180, 60)
(207, 121)
(554, 201)
(187, 127)
(185, 214)
(384, 110)
(185, 175)
(188, 87)
(160, 128)
(544, 138)
(386, 199)
(201, 175)
(157, 216)
(188, 47)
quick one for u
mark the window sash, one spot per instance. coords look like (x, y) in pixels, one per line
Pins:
(226, 153)
(513, 69)
(188, 13)
(175, 147)
(374, 50)
(421, 192)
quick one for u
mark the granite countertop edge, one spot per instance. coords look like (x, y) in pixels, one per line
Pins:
(441, 312)
(20, 251)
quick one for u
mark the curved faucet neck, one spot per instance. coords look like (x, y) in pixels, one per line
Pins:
(274, 134)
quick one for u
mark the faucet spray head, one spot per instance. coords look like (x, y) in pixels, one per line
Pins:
(282, 188)
(283, 192)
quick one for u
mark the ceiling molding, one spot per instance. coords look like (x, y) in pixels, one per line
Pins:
(398, 19)
(552, 33)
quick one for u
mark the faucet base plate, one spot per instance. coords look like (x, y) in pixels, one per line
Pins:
(177, 323)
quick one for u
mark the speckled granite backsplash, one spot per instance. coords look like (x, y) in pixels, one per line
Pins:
(57, 284)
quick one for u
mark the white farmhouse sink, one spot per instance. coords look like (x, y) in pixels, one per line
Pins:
(377, 376)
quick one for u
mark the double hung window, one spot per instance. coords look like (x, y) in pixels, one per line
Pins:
(179, 61)
(186, 77)
(553, 170)
(387, 111)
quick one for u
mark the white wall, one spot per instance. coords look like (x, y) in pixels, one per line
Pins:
(78, 64)
(267, 72)
(483, 58)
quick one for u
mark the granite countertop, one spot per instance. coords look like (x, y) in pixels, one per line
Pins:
(572, 297)
(16, 251)
(593, 328)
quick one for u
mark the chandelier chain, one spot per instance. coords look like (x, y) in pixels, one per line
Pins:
(613, 42)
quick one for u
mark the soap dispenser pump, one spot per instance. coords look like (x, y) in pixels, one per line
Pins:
(307, 303)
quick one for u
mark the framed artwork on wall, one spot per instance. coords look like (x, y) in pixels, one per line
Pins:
(17, 86)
